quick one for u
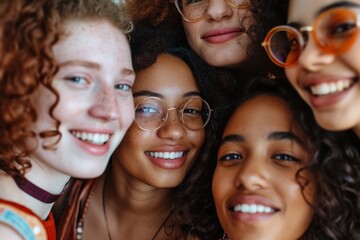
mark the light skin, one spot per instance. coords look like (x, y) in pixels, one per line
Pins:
(94, 85)
(262, 149)
(139, 189)
(219, 38)
(338, 110)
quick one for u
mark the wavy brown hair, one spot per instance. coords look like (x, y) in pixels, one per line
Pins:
(28, 30)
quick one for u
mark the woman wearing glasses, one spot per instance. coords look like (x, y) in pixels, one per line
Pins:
(148, 190)
(224, 33)
(319, 51)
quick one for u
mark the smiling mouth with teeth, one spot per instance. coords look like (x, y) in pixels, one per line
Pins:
(325, 89)
(93, 138)
(252, 209)
(166, 155)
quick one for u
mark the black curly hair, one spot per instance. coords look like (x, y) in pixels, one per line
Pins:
(147, 43)
(335, 164)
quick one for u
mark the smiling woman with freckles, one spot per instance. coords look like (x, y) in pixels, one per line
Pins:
(318, 48)
(275, 176)
(64, 109)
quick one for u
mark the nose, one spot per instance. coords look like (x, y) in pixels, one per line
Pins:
(218, 10)
(252, 175)
(173, 128)
(105, 104)
(312, 58)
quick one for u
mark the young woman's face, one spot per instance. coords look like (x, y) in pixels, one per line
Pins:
(328, 82)
(161, 158)
(218, 37)
(254, 186)
(96, 104)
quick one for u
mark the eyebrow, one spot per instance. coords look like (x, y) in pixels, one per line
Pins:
(86, 64)
(324, 9)
(336, 5)
(285, 136)
(232, 138)
(154, 94)
(272, 136)
(93, 65)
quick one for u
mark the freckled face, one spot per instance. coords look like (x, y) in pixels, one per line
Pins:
(95, 105)
(255, 190)
(328, 82)
(161, 158)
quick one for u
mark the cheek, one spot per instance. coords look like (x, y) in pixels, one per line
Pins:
(197, 138)
(220, 185)
(298, 208)
(291, 74)
(127, 111)
(190, 32)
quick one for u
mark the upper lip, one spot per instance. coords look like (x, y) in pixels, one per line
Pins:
(315, 79)
(221, 31)
(169, 148)
(251, 199)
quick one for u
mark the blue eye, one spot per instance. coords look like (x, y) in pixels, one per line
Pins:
(77, 79)
(123, 87)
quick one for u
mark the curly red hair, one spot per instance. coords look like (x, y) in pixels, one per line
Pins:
(28, 30)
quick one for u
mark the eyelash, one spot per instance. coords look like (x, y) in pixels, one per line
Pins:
(231, 156)
(124, 87)
(285, 157)
(76, 79)
(279, 157)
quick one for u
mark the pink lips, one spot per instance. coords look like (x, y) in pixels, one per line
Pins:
(95, 150)
(222, 35)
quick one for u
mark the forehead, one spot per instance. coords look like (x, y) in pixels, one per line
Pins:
(305, 10)
(168, 73)
(95, 41)
(263, 113)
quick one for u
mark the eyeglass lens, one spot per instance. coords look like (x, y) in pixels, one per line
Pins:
(193, 10)
(151, 113)
(334, 32)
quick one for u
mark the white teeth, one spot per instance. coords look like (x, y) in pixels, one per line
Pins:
(329, 88)
(94, 138)
(166, 155)
(253, 208)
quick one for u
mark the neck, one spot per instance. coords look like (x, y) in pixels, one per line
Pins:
(11, 192)
(138, 211)
(135, 198)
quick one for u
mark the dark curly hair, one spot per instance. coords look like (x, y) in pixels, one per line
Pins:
(266, 14)
(335, 165)
(146, 45)
(28, 30)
